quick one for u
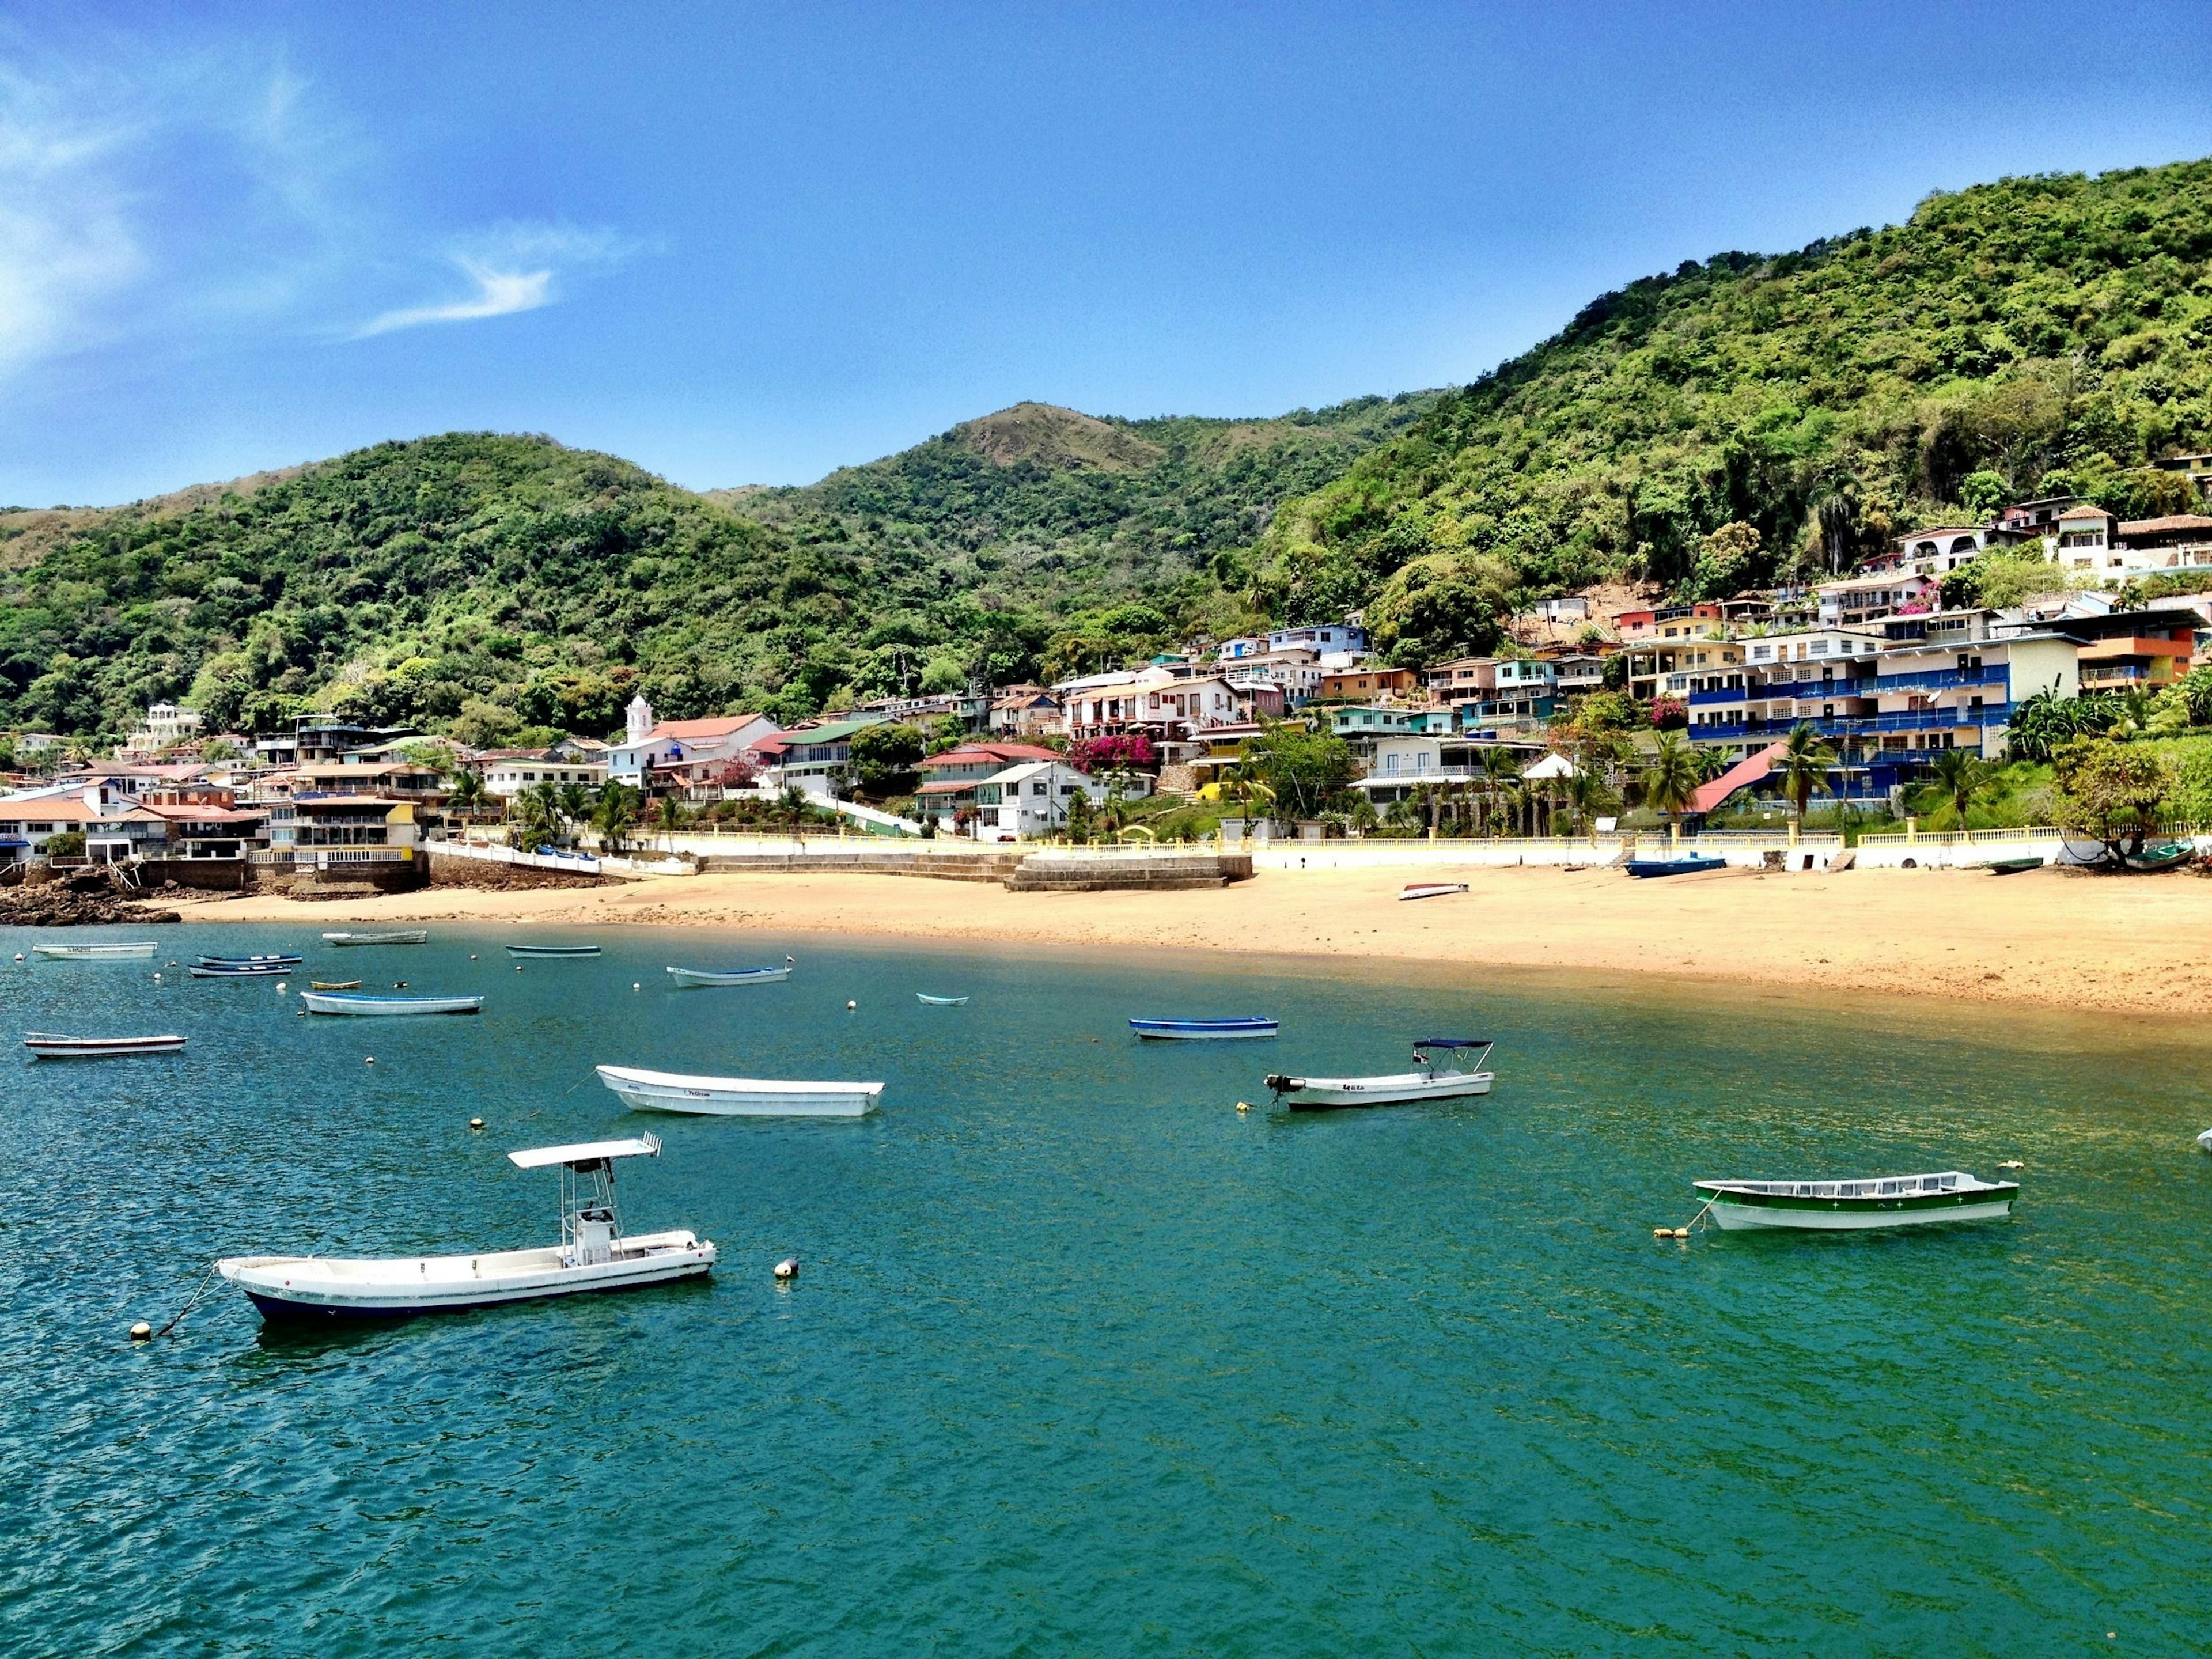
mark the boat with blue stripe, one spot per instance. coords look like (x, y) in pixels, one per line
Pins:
(1203, 1030)
(1647, 868)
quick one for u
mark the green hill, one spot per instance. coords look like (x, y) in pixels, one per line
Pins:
(1744, 419)
(2036, 335)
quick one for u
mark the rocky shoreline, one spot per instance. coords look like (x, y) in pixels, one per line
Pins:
(78, 902)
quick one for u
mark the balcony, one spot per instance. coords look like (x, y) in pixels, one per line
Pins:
(1938, 679)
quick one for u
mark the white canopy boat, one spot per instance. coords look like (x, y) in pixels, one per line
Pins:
(593, 1254)
(395, 936)
(352, 1002)
(737, 1097)
(703, 976)
(1854, 1205)
(1450, 1068)
(93, 952)
(49, 1045)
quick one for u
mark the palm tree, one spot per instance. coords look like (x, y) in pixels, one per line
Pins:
(537, 819)
(464, 792)
(1805, 760)
(792, 803)
(1500, 770)
(1960, 774)
(1670, 781)
(614, 812)
(668, 817)
(575, 802)
(1589, 794)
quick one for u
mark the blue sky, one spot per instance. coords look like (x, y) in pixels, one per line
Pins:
(745, 243)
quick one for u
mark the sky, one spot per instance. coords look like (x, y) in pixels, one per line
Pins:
(747, 243)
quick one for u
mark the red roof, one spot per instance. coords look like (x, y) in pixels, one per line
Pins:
(1005, 754)
(2159, 526)
(721, 726)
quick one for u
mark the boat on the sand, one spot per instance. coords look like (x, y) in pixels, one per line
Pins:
(1857, 1205)
(737, 1096)
(49, 1045)
(594, 1254)
(1445, 1068)
(691, 977)
(347, 1002)
(2013, 866)
(1421, 890)
(1647, 868)
(1204, 1030)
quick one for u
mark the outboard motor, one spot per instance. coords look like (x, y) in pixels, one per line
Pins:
(595, 1236)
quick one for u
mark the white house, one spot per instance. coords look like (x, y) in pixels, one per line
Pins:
(508, 773)
(1025, 802)
(648, 743)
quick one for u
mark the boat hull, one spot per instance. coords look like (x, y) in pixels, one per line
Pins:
(1647, 869)
(709, 1097)
(62, 1047)
(1801, 1206)
(93, 952)
(315, 1288)
(553, 951)
(321, 1002)
(1203, 1030)
(1745, 1218)
(701, 979)
(273, 970)
(410, 936)
(1327, 1094)
(1433, 889)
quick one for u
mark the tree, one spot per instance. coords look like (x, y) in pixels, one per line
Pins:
(1082, 818)
(1669, 780)
(1805, 761)
(1589, 795)
(792, 806)
(536, 816)
(574, 800)
(668, 817)
(2111, 793)
(1302, 768)
(884, 759)
(465, 791)
(1500, 768)
(1958, 776)
(614, 813)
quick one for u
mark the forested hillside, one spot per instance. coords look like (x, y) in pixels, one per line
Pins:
(1743, 418)
(1752, 414)
(495, 586)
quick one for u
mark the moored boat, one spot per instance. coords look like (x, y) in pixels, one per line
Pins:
(737, 1097)
(243, 969)
(345, 1002)
(334, 985)
(553, 949)
(941, 1002)
(688, 977)
(394, 936)
(593, 1254)
(93, 952)
(48, 1045)
(1647, 868)
(266, 959)
(1445, 1068)
(1857, 1205)
(1421, 890)
(1203, 1030)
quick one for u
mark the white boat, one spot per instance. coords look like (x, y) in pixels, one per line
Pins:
(941, 1002)
(593, 1254)
(396, 936)
(737, 1097)
(1447, 1068)
(352, 1002)
(1204, 1030)
(701, 976)
(93, 952)
(553, 951)
(1421, 890)
(1854, 1205)
(48, 1045)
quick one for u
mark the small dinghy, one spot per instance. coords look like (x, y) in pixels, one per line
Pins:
(334, 985)
(1647, 868)
(2012, 867)
(1449, 1068)
(266, 959)
(46, 1045)
(396, 936)
(553, 949)
(341, 1002)
(1203, 1030)
(941, 1002)
(2166, 855)
(1421, 890)
(93, 952)
(737, 1097)
(705, 976)
(594, 1254)
(272, 968)
(1857, 1205)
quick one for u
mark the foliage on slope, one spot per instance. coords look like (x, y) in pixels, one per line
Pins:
(1749, 415)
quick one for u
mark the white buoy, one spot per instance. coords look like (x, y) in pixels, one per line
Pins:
(635, 986)
(849, 1006)
(476, 1123)
(369, 1059)
(19, 955)
(472, 956)
(518, 967)
(280, 987)
(787, 1268)
(156, 976)
(787, 958)
(1243, 1105)
(141, 1332)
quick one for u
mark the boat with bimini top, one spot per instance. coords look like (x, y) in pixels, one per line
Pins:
(1856, 1205)
(1203, 1030)
(1446, 1068)
(594, 1254)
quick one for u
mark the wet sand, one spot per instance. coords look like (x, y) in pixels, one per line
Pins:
(2059, 940)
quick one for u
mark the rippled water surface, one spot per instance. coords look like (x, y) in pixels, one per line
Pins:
(1083, 1361)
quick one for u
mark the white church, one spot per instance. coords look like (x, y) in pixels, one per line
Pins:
(648, 742)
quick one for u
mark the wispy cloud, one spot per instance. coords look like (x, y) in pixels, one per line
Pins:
(498, 263)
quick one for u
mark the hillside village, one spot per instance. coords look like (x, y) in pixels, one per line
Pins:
(1613, 705)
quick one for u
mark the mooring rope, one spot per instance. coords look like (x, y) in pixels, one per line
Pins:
(189, 1300)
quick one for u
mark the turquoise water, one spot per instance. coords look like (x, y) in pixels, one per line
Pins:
(1081, 1360)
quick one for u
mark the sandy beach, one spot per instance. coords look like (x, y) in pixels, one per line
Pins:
(2054, 939)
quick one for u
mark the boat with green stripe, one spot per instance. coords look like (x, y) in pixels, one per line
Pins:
(1854, 1205)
